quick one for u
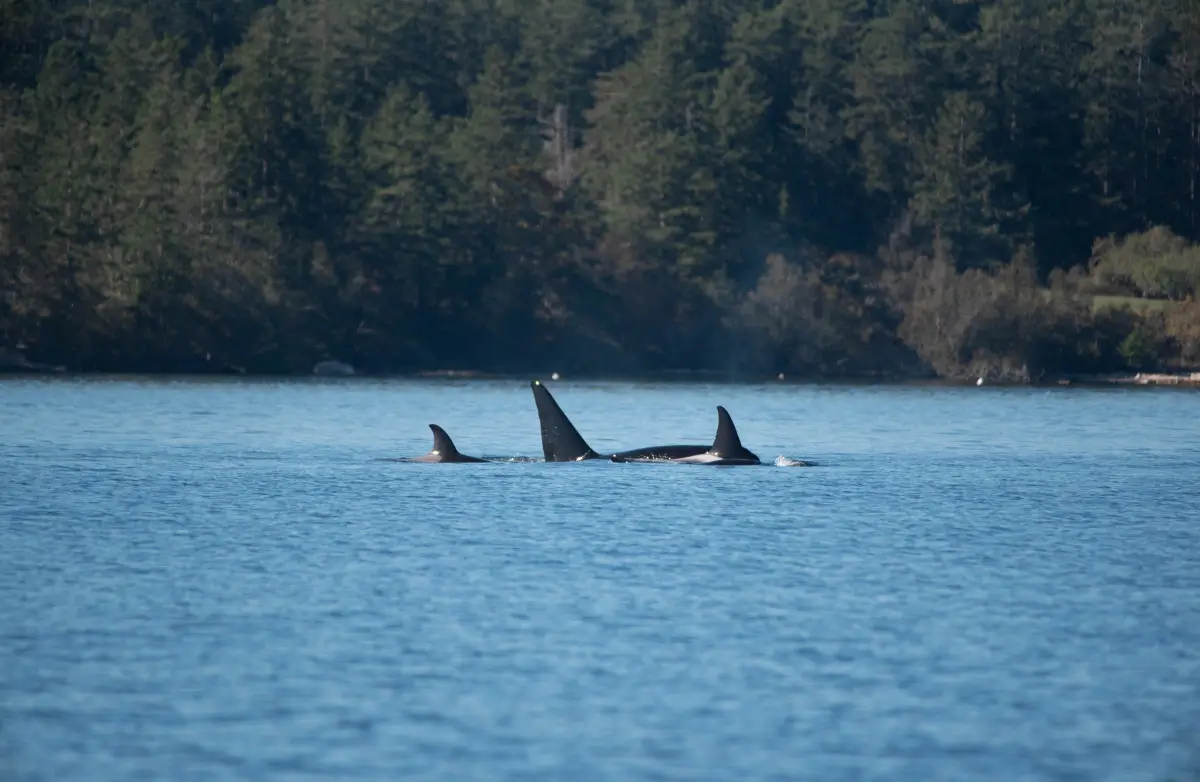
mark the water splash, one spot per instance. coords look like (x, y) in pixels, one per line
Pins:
(787, 461)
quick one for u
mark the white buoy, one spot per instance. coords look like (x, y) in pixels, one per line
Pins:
(979, 382)
(554, 376)
(779, 376)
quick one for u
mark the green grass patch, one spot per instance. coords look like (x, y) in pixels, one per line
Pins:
(1135, 303)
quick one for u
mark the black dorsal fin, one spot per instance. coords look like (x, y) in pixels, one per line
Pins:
(561, 442)
(442, 444)
(727, 444)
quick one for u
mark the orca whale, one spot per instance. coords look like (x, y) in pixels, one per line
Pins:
(561, 441)
(443, 449)
(727, 449)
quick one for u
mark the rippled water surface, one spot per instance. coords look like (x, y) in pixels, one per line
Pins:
(225, 580)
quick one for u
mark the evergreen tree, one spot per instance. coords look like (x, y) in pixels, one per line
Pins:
(958, 192)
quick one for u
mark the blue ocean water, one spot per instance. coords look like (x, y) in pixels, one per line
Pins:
(224, 579)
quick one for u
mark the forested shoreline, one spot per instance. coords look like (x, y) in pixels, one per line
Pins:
(816, 187)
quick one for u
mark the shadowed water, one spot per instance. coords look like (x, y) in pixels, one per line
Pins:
(225, 580)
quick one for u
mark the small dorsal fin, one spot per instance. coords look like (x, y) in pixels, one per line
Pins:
(561, 442)
(727, 444)
(442, 444)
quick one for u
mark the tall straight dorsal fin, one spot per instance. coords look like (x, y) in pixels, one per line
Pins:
(561, 442)
(727, 444)
(442, 444)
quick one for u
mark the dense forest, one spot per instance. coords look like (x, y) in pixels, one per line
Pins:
(818, 187)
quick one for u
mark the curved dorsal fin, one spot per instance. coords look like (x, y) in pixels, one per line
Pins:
(442, 444)
(561, 442)
(727, 444)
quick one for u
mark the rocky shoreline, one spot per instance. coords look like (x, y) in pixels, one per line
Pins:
(1139, 379)
(14, 362)
(1163, 379)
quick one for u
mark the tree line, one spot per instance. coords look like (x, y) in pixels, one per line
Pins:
(819, 187)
